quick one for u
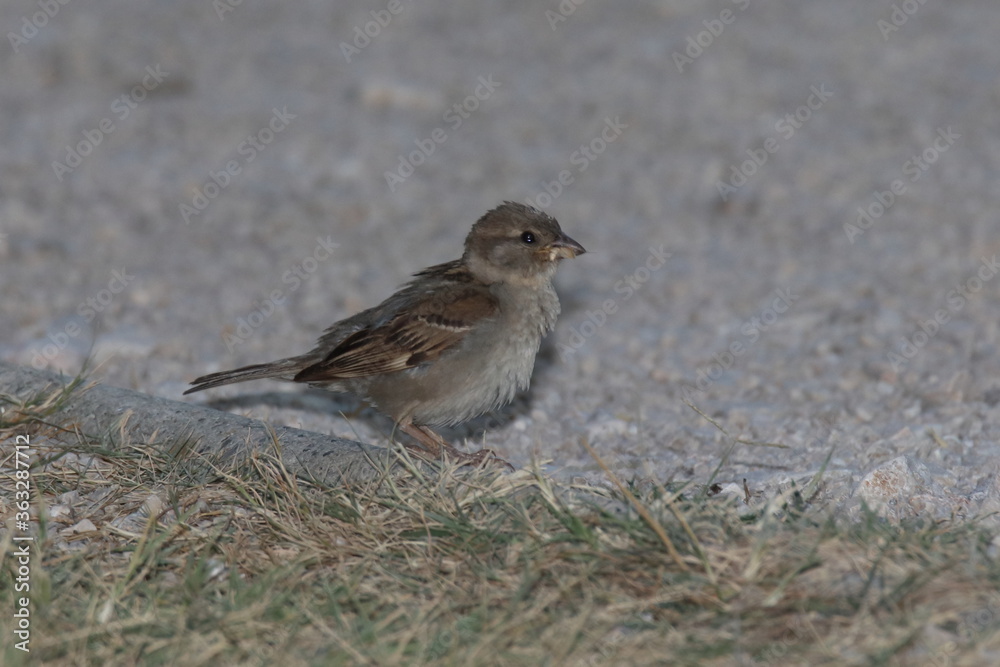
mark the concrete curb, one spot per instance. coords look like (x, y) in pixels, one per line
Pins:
(99, 409)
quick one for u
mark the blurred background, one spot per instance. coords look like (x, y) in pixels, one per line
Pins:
(789, 210)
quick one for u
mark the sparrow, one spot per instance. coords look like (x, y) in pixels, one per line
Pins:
(457, 341)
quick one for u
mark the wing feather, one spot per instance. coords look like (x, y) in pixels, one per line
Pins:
(414, 336)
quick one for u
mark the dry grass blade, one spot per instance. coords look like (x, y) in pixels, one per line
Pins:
(145, 557)
(742, 441)
(640, 508)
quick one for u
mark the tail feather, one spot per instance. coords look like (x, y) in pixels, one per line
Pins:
(284, 370)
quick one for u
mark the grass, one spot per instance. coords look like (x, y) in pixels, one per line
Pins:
(146, 559)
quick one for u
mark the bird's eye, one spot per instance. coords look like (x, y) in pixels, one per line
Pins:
(528, 238)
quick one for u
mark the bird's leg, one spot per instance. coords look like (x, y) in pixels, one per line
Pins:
(429, 441)
(433, 444)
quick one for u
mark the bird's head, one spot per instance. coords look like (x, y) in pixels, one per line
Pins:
(518, 244)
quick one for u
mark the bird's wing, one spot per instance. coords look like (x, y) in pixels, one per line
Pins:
(416, 335)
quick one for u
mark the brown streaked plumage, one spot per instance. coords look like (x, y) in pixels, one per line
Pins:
(458, 340)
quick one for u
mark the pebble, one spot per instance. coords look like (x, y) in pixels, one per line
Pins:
(82, 526)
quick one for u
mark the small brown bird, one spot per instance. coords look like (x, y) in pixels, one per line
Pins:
(458, 340)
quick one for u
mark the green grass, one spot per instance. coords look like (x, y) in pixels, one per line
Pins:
(248, 565)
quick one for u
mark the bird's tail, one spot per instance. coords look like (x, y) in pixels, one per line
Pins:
(284, 369)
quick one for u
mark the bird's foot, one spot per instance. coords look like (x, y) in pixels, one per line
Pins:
(476, 459)
(432, 444)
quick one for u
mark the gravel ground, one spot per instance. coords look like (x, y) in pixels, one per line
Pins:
(192, 186)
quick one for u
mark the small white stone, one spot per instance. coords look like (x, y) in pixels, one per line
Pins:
(153, 506)
(906, 487)
(732, 489)
(83, 526)
(68, 498)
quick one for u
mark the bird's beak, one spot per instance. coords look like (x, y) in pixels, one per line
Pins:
(565, 248)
